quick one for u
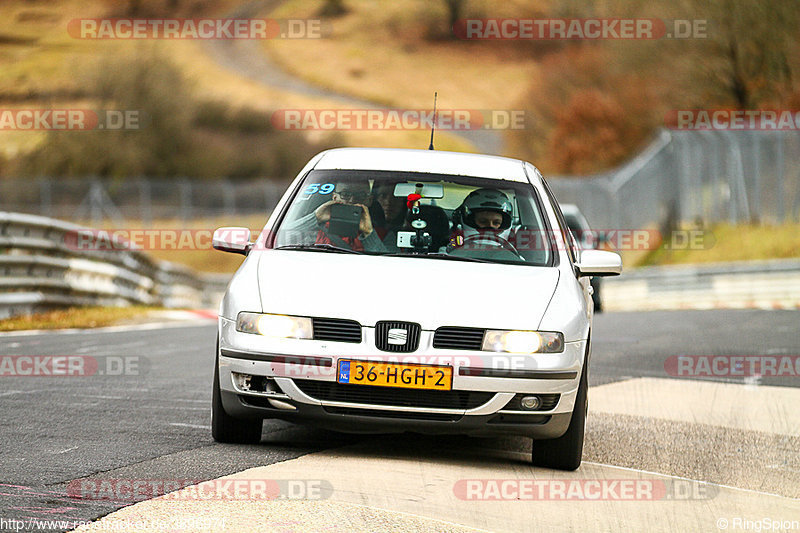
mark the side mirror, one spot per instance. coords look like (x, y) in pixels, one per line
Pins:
(599, 263)
(235, 240)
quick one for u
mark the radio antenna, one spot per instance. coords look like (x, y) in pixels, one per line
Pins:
(433, 125)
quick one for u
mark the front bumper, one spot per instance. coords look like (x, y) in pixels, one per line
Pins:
(500, 378)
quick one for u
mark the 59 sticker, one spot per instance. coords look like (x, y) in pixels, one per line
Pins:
(318, 188)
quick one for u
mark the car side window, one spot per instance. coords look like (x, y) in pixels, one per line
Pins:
(572, 248)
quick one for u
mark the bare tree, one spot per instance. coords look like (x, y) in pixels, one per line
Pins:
(333, 9)
(750, 54)
(455, 11)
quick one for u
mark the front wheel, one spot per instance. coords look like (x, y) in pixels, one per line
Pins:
(225, 428)
(565, 452)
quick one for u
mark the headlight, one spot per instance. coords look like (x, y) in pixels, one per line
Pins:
(523, 341)
(281, 326)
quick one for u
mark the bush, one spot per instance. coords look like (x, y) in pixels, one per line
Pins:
(178, 136)
(333, 9)
(158, 8)
(593, 131)
(595, 103)
(586, 113)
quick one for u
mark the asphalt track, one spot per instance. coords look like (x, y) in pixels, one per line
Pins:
(729, 444)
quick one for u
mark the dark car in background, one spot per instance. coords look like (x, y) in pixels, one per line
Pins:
(588, 240)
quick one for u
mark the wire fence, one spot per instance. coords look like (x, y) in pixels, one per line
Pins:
(682, 177)
(141, 199)
(694, 178)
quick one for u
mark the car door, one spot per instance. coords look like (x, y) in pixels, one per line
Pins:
(573, 250)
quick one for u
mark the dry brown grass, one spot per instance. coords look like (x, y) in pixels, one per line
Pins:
(41, 65)
(75, 317)
(378, 51)
(726, 242)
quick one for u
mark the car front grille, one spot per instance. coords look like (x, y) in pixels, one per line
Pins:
(397, 337)
(336, 329)
(408, 415)
(368, 394)
(455, 338)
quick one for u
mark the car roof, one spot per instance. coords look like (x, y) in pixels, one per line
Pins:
(428, 161)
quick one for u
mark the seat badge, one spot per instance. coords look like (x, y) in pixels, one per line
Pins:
(397, 336)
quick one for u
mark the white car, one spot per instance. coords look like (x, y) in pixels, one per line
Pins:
(411, 290)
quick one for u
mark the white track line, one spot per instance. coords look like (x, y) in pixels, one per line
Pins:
(648, 472)
(195, 426)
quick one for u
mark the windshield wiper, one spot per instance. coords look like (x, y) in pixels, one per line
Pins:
(318, 247)
(441, 255)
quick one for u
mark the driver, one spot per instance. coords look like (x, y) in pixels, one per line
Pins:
(483, 211)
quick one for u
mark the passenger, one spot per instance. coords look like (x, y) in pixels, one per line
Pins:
(351, 193)
(389, 211)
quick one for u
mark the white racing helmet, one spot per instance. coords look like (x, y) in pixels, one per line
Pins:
(484, 200)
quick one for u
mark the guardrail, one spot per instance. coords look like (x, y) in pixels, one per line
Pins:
(773, 284)
(42, 268)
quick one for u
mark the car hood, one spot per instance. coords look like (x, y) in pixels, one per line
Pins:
(430, 292)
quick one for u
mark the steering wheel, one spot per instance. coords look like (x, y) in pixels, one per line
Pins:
(495, 239)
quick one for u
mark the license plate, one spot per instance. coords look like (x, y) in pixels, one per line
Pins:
(395, 375)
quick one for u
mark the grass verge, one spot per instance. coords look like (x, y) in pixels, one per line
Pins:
(728, 242)
(380, 49)
(76, 317)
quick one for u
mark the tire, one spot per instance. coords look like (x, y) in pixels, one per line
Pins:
(565, 452)
(597, 301)
(225, 428)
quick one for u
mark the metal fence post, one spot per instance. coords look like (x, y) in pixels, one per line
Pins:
(716, 181)
(796, 208)
(755, 215)
(145, 202)
(736, 182)
(706, 193)
(228, 198)
(185, 188)
(45, 196)
(779, 171)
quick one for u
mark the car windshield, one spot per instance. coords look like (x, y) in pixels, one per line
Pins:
(449, 218)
